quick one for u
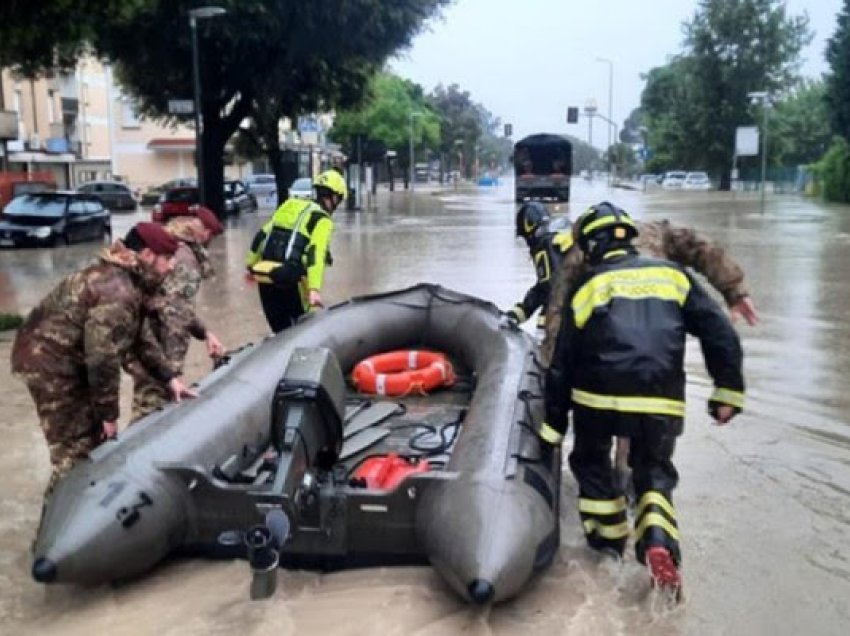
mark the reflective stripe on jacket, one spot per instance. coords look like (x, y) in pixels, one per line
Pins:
(310, 245)
(621, 345)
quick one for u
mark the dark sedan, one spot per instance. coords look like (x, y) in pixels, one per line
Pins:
(237, 199)
(53, 218)
(113, 194)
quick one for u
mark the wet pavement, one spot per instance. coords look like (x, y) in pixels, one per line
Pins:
(764, 505)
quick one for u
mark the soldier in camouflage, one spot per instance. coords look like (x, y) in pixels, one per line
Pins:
(70, 347)
(170, 318)
(658, 239)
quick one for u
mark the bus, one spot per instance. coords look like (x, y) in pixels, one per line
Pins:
(543, 164)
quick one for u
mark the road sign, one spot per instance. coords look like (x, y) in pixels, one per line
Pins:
(181, 106)
(308, 124)
(746, 141)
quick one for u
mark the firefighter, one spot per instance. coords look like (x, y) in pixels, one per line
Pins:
(659, 239)
(288, 255)
(618, 365)
(547, 242)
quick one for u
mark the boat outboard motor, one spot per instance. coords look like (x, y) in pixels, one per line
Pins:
(264, 543)
(307, 415)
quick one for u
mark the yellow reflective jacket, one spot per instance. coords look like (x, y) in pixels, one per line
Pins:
(310, 245)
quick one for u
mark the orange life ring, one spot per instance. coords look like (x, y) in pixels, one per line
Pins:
(403, 372)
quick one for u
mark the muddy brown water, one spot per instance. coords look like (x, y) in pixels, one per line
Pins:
(764, 504)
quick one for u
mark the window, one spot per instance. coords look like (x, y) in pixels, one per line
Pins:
(129, 115)
(51, 106)
(77, 207)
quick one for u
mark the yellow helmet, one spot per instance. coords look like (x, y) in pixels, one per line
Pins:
(331, 180)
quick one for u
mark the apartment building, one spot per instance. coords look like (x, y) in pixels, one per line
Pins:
(81, 127)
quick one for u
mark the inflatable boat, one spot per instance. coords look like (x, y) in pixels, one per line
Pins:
(281, 460)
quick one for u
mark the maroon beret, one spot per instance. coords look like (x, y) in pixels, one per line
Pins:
(155, 237)
(210, 220)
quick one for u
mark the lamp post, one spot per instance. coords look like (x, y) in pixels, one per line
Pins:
(610, 105)
(413, 115)
(762, 97)
(590, 111)
(194, 15)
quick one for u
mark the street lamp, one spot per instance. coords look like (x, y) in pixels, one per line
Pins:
(762, 97)
(610, 105)
(413, 115)
(194, 15)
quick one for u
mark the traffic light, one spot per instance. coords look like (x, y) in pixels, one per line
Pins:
(572, 114)
(509, 129)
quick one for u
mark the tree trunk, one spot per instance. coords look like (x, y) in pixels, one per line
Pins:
(213, 164)
(217, 131)
(391, 175)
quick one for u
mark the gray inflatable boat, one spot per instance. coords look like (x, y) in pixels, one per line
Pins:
(267, 463)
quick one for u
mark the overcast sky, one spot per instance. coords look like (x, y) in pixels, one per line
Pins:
(527, 60)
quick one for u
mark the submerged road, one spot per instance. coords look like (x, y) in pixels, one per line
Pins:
(764, 505)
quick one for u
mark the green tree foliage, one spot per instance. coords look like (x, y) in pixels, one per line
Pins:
(585, 156)
(42, 36)
(10, 321)
(833, 171)
(633, 128)
(385, 117)
(461, 124)
(265, 56)
(694, 103)
(838, 79)
(798, 129)
(386, 113)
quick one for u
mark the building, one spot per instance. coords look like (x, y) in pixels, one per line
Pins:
(81, 127)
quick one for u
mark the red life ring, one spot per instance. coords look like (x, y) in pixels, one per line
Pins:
(403, 372)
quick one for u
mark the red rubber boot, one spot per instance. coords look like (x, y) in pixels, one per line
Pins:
(662, 568)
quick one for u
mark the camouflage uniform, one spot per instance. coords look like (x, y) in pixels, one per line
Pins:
(658, 239)
(69, 352)
(169, 322)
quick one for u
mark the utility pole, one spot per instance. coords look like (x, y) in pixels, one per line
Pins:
(763, 98)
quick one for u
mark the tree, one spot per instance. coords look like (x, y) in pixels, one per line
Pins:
(385, 117)
(838, 79)
(732, 48)
(254, 58)
(799, 130)
(460, 124)
(44, 36)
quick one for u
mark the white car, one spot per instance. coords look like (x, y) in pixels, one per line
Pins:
(696, 181)
(673, 180)
(262, 186)
(301, 188)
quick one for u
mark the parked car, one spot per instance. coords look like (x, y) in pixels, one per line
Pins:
(301, 188)
(237, 199)
(54, 218)
(113, 194)
(152, 195)
(696, 181)
(673, 180)
(263, 187)
(179, 201)
(13, 184)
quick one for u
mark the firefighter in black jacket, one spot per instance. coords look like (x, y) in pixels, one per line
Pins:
(547, 242)
(619, 366)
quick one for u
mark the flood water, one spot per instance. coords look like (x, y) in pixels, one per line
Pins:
(764, 504)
